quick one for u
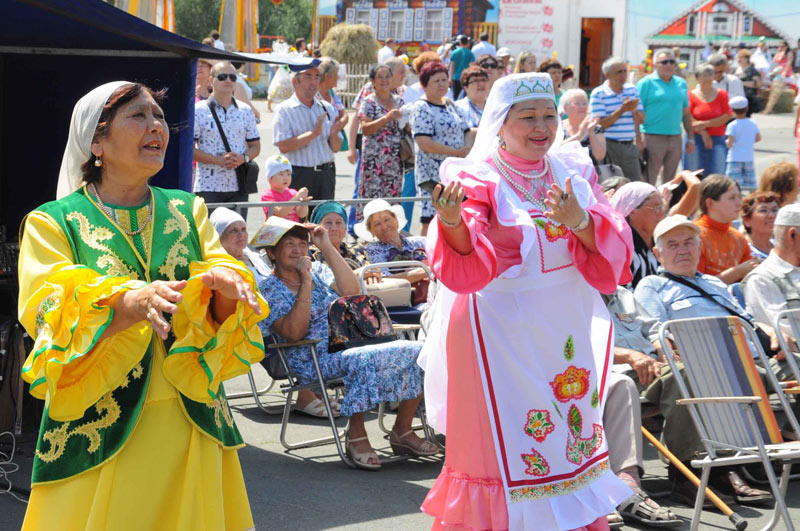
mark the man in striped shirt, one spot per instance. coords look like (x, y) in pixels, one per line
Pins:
(306, 130)
(616, 103)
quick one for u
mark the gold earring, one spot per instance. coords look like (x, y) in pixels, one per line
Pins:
(98, 162)
(502, 143)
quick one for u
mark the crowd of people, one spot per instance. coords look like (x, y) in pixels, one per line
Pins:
(536, 193)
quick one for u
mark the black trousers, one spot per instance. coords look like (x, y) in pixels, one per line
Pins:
(225, 197)
(320, 181)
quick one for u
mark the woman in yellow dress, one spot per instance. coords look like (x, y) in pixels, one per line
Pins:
(138, 316)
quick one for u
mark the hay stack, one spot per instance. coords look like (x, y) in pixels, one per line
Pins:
(351, 44)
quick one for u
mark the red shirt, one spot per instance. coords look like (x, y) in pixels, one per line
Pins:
(702, 110)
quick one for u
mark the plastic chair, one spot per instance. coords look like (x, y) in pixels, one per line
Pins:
(728, 403)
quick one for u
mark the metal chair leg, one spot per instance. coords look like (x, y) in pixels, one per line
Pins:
(701, 496)
(256, 393)
(271, 410)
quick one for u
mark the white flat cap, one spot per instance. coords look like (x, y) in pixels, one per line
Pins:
(673, 222)
(789, 216)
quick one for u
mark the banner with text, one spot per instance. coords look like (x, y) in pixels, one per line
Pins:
(529, 25)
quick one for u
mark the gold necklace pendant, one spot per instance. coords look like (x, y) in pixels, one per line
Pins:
(110, 213)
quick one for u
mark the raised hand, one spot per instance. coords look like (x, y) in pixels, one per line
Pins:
(447, 202)
(563, 205)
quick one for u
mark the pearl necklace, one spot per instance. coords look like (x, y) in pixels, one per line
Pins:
(532, 176)
(538, 203)
(110, 213)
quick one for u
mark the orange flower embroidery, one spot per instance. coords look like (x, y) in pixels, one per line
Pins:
(572, 384)
(539, 424)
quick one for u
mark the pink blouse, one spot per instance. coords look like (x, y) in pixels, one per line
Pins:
(496, 247)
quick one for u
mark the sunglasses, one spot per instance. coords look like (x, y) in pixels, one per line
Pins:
(667, 62)
(223, 77)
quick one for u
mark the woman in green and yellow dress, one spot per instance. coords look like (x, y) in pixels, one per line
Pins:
(138, 316)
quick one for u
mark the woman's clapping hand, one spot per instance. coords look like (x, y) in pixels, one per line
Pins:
(231, 285)
(151, 302)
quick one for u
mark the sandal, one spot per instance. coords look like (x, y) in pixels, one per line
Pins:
(316, 408)
(615, 520)
(361, 459)
(640, 509)
(424, 449)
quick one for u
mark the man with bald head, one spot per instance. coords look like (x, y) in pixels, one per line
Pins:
(215, 180)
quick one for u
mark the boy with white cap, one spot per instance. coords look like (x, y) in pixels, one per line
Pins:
(279, 172)
(742, 134)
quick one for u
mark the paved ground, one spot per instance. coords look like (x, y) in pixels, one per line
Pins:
(312, 490)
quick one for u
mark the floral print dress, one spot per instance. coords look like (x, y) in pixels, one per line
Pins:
(381, 167)
(387, 372)
(443, 123)
(413, 249)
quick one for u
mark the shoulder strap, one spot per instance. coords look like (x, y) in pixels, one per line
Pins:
(211, 107)
(701, 291)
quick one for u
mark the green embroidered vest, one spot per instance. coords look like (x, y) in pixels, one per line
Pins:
(65, 449)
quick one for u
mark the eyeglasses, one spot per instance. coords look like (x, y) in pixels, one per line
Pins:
(234, 232)
(658, 207)
(383, 77)
(491, 66)
(223, 77)
(476, 80)
(766, 211)
(667, 62)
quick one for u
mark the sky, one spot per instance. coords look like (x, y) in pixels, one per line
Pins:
(646, 16)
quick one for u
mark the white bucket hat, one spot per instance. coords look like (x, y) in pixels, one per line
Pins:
(373, 207)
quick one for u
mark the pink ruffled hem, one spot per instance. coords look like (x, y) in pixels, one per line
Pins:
(459, 501)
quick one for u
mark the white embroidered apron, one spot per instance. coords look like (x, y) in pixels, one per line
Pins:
(544, 342)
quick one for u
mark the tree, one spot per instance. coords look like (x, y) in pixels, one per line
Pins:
(195, 19)
(290, 18)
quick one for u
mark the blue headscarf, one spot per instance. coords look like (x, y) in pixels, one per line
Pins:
(326, 208)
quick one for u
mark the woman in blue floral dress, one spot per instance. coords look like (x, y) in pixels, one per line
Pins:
(299, 293)
(379, 113)
(438, 132)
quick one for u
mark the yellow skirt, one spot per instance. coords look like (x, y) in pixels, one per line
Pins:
(169, 475)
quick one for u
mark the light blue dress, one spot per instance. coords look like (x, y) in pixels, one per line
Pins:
(387, 372)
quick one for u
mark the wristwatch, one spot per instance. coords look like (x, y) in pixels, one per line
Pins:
(246, 158)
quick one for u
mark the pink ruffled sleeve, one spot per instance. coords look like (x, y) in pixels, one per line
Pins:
(610, 266)
(466, 273)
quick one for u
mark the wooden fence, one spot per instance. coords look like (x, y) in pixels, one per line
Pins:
(488, 27)
(357, 77)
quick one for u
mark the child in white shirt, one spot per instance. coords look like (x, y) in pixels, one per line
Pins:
(742, 134)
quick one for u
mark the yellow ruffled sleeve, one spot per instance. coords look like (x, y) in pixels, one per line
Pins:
(206, 353)
(63, 307)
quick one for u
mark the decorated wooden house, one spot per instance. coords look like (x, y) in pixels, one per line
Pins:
(414, 23)
(708, 24)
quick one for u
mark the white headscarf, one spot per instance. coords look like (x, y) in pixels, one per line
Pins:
(85, 117)
(222, 218)
(505, 92)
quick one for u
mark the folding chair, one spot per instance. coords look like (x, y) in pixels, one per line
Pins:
(321, 386)
(728, 402)
(791, 318)
(405, 320)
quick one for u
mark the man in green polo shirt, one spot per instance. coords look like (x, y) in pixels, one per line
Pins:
(665, 98)
(459, 60)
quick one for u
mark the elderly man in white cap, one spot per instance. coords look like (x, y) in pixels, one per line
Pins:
(677, 292)
(774, 285)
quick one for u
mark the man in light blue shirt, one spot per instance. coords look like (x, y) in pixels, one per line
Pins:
(665, 99)
(678, 249)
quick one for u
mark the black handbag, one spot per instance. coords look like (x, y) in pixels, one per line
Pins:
(246, 173)
(356, 321)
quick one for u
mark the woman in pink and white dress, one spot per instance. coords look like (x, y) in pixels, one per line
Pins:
(521, 343)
